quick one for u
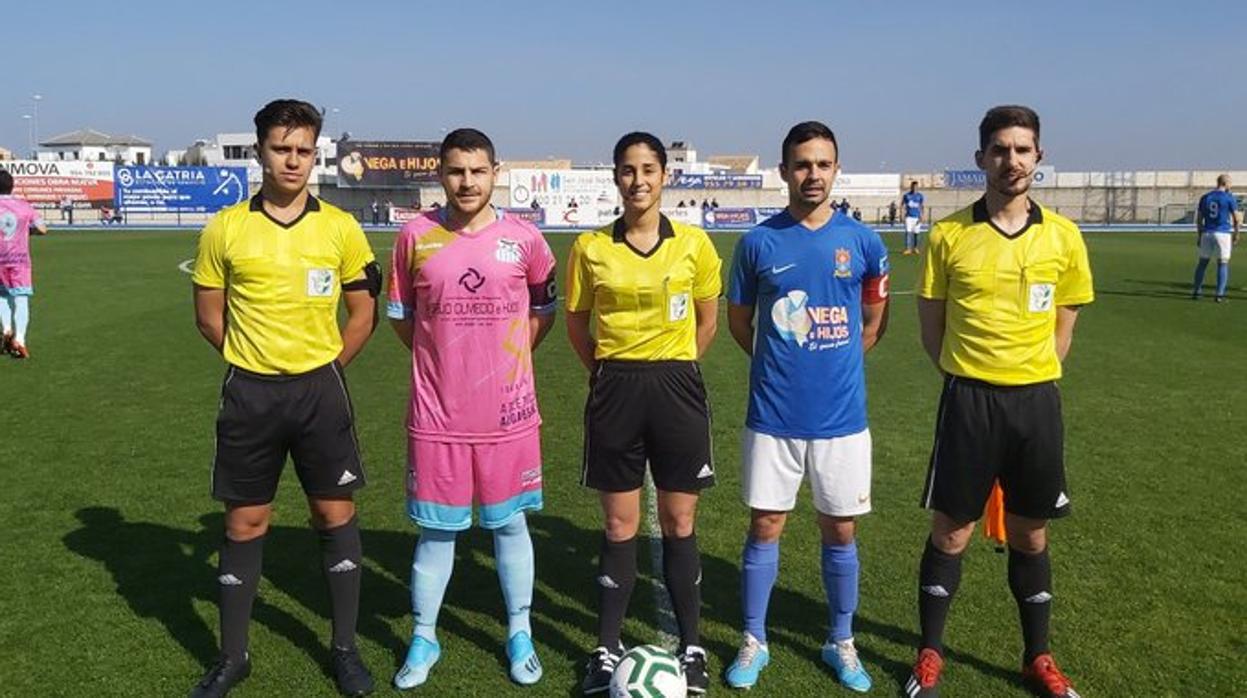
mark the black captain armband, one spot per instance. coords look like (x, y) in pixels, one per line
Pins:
(543, 296)
(370, 283)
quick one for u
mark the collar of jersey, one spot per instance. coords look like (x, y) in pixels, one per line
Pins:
(443, 217)
(311, 205)
(619, 234)
(1033, 217)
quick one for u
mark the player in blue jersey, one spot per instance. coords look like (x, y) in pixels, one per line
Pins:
(814, 282)
(1216, 226)
(912, 202)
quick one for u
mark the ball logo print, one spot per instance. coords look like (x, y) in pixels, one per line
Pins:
(648, 671)
(791, 320)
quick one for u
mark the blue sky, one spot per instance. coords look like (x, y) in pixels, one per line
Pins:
(1119, 85)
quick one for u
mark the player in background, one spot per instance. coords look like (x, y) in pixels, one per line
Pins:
(17, 220)
(999, 292)
(268, 279)
(807, 300)
(913, 203)
(653, 286)
(471, 295)
(1216, 232)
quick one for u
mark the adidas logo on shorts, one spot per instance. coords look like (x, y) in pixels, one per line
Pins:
(229, 580)
(347, 478)
(705, 472)
(936, 590)
(606, 582)
(1062, 500)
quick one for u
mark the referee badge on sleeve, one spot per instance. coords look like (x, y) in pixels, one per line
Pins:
(1041, 297)
(320, 283)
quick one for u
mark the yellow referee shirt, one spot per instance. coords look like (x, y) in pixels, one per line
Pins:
(644, 302)
(1001, 292)
(282, 282)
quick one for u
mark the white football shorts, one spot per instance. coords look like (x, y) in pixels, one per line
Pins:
(913, 225)
(838, 468)
(1216, 245)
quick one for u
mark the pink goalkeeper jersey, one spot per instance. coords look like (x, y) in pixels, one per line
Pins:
(16, 217)
(470, 295)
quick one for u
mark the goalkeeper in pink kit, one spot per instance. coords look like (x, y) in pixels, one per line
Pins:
(471, 293)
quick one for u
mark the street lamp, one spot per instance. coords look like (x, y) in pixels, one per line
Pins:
(35, 119)
(30, 134)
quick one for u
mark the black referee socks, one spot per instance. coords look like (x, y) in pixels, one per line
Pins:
(1030, 580)
(616, 578)
(238, 576)
(342, 556)
(939, 575)
(681, 571)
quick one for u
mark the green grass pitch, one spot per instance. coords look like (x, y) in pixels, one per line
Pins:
(109, 536)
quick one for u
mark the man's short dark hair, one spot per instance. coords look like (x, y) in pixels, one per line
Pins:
(639, 138)
(1007, 116)
(6, 183)
(807, 131)
(288, 113)
(467, 139)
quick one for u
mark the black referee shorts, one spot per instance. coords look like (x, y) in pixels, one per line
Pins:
(264, 418)
(647, 411)
(985, 432)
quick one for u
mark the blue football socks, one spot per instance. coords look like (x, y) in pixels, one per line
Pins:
(840, 573)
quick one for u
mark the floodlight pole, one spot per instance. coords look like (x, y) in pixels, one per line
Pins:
(35, 123)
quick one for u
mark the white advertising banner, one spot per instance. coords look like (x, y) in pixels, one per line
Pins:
(554, 190)
(850, 185)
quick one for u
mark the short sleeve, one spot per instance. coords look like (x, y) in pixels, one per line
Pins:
(1074, 286)
(356, 252)
(539, 263)
(1233, 204)
(877, 264)
(933, 278)
(707, 279)
(209, 270)
(579, 277)
(401, 297)
(742, 286)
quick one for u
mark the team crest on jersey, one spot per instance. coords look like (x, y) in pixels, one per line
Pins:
(320, 283)
(844, 263)
(8, 225)
(508, 251)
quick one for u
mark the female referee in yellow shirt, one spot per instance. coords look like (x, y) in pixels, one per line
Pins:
(653, 285)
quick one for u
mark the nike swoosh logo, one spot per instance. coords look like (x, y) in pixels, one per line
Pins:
(781, 270)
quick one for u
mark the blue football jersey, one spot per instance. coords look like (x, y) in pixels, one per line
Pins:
(807, 378)
(1216, 211)
(913, 204)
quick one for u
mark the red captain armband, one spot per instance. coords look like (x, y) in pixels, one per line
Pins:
(875, 290)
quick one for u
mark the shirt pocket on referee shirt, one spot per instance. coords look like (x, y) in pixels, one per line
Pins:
(315, 280)
(1037, 291)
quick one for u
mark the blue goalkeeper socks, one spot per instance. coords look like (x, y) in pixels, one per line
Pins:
(760, 568)
(1223, 278)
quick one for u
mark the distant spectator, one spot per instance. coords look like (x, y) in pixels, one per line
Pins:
(692, 203)
(844, 205)
(376, 211)
(705, 204)
(681, 204)
(892, 213)
(714, 203)
(388, 207)
(67, 209)
(857, 214)
(616, 211)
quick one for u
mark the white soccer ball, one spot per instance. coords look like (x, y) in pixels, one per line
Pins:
(648, 671)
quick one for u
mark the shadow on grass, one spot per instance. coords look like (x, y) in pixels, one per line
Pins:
(1166, 289)
(160, 571)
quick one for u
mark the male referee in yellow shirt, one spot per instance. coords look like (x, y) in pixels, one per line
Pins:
(1001, 285)
(268, 279)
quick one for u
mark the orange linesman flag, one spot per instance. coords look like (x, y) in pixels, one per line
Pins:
(994, 515)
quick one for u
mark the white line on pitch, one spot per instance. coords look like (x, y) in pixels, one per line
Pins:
(667, 631)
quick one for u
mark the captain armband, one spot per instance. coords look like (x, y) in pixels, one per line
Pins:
(370, 283)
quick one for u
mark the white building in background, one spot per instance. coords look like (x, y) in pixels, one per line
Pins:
(238, 150)
(89, 144)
